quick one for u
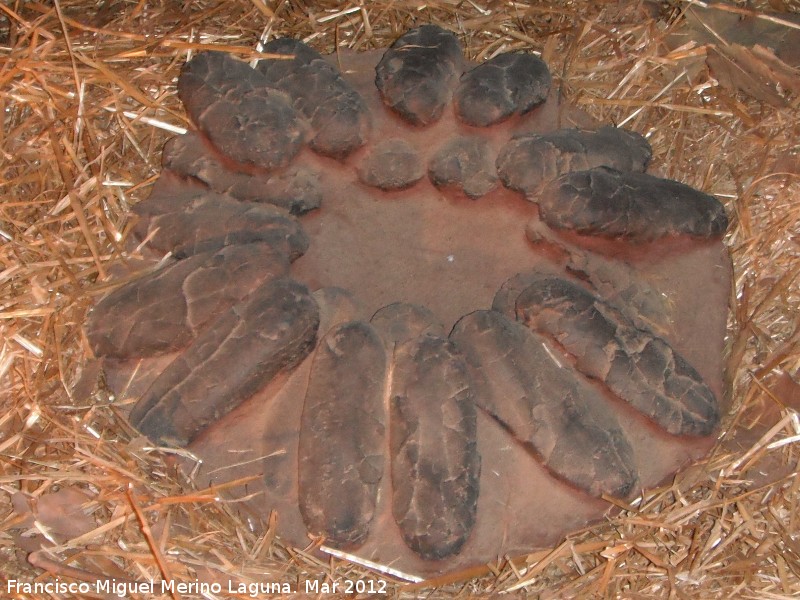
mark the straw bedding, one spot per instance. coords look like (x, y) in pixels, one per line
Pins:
(88, 99)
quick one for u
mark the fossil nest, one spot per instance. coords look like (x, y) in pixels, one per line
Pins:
(437, 312)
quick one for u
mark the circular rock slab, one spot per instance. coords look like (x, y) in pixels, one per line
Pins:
(426, 371)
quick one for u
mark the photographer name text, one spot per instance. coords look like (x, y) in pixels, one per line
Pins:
(124, 589)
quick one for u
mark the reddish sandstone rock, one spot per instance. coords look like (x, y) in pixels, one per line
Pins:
(429, 371)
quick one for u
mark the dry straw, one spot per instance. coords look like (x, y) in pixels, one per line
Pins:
(87, 99)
